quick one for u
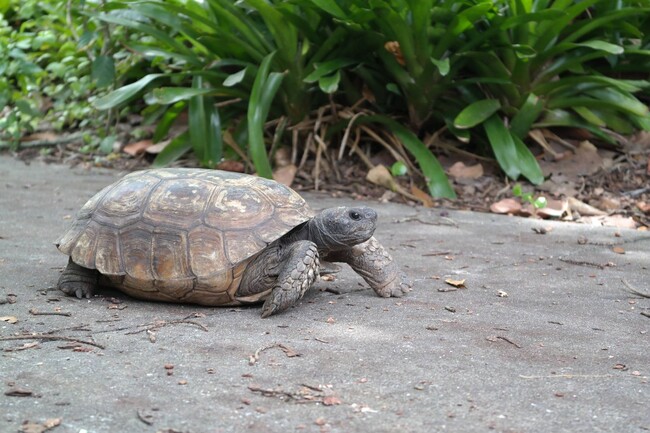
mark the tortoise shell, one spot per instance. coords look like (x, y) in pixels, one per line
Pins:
(183, 235)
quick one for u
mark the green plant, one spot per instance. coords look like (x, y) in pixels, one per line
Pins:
(263, 59)
(548, 64)
(52, 59)
(537, 203)
(488, 72)
(239, 55)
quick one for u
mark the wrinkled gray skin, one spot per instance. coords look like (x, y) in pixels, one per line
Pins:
(288, 267)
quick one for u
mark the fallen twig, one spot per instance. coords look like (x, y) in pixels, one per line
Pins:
(49, 338)
(287, 351)
(443, 221)
(583, 263)
(35, 312)
(266, 392)
(145, 418)
(567, 376)
(307, 394)
(635, 291)
(508, 341)
(147, 327)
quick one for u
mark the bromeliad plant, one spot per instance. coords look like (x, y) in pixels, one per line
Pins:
(487, 71)
(265, 59)
(249, 57)
(548, 64)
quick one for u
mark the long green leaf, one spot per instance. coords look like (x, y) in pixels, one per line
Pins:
(602, 46)
(125, 93)
(158, 34)
(330, 84)
(178, 147)
(527, 115)
(103, 71)
(331, 7)
(528, 164)
(204, 127)
(326, 68)
(512, 154)
(264, 89)
(436, 178)
(171, 95)
(285, 36)
(167, 120)
(476, 113)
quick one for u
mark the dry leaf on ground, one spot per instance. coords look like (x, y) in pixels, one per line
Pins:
(643, 207)
(30, 427)
(610, 221)
(379, 175)
(137, 147)
(586, 161)
(155, 149)
(583, 208)
(506, 206)
(285, 175)
(425, 198)
(461, 171)
(554, 209)
(456, 283)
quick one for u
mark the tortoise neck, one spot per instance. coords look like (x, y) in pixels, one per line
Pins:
(319, 235)
(314, 231)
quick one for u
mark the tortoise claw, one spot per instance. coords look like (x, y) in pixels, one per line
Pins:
(78, 281)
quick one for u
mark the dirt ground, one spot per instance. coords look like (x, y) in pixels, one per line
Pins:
(594, 184)
(547, 332)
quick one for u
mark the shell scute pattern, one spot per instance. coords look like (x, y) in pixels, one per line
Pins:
(181, 234)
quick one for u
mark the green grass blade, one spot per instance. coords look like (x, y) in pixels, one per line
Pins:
(436, 178)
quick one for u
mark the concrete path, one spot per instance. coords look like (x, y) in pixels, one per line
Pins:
(546, 336)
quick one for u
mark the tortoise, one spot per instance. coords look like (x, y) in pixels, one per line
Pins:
(217, 238)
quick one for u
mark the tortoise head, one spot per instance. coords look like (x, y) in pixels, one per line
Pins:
(339, 228)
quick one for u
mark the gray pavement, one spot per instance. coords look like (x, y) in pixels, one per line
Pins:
(567, 350)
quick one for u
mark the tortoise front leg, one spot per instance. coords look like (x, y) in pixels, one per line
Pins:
(371, 260)
(299, 271)
(78, 281)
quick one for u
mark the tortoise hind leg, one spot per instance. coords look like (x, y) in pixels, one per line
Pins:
(298, 273)
(78, 281)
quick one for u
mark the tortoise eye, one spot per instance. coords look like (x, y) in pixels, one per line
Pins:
(355, 215)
